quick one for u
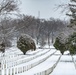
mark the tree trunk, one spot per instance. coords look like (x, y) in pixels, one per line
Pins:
(52, 37)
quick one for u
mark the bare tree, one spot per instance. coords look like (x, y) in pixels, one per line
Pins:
(6, 7)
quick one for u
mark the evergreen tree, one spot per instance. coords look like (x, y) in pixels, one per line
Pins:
(71, 44)
(72, 38)
(72, 7)
(25, 43)
(59, 46)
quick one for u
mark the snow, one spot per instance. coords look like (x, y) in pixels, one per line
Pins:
(65, 66)
(29, 57)
(43, 66)
(74, 56)
(37, 59)
(66, 52)
(46, 46)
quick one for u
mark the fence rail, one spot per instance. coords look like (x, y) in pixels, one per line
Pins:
(6, 70)
(49, 70)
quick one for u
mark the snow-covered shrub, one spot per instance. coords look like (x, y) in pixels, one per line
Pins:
(59, 45)
(25, 43)
(2, 46)
(69, 44)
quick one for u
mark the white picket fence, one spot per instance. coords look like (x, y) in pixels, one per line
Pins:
(49, 70)
(22, 59)
(74, 61)
(5, 70)
(14, 57)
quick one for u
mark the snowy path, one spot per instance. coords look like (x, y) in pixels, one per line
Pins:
(43, 66)
(65, 66)
(29, 55)
(29, 58)
(38, 59)
(39, 62)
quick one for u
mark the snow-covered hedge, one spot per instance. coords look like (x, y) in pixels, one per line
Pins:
(25, 43)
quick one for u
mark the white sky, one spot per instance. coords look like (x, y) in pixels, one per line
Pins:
(46, 8)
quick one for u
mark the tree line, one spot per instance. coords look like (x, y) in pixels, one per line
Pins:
(40, 29)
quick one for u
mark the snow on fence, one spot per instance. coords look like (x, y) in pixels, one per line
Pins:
(12, 58)
(74, 61)
(24, 60)
(16, 70)
(11, 53)
(21, 60)
(24, 57)
(48, 71)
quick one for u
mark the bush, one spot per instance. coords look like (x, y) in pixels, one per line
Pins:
(26, 43)
(59, 46)
(70, 44)
(2, 47)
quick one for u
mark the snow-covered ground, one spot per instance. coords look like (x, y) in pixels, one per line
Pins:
(42, 66)
(44, 61)
(65, 66)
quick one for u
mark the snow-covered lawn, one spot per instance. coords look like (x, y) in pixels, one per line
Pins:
(42, 66)
(40, 62)
(38, 59)
(65, 66)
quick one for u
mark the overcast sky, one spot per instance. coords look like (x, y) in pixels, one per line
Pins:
(46, 8)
